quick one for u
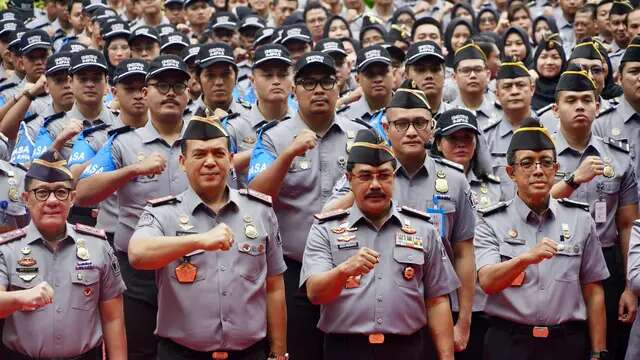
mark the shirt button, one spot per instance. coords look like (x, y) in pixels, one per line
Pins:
(379, 298)
(223, 268)
(59, 309)
(379, 320)
(379, 276)
(58, 337)
(224, 292)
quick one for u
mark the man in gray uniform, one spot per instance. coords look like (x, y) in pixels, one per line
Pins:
(623, 121)
(297, 162)
(145, 167)
(353, 267)
(437, 186)
(376, 81)
(514, 88)
(60, 285)
(218, 259)
(633, 281)
(471, 75)
(600, 173)
(534, 254)
(271, 80)
(217, 73)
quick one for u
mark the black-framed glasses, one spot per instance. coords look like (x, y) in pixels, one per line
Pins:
(466, 71)
(403, 125)
(164, 87)
(367, 177)
(309, 84)
(42, 194)
(530, 164)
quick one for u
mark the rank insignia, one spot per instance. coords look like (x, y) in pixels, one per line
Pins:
(249, 140)
(615, 131)
(184, 219)
(408, 273)
(305, 164)
(25, 250)
(14, 194)
(27, 261)
(410, 241)
(484, 188)
(247, 219)
(250, 231)
(27, 277)
(81, 250)
(346, 238)
(566, 234)
(609, 171)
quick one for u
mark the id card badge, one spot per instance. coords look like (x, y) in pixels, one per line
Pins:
(437, 217)
(601, 211)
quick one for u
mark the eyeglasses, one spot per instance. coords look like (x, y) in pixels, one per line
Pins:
(368, 177)
(403, 125)
(530, 165)
(594, 70)
(466, 71)
(164, 87)
(309, 84)
(42, 194)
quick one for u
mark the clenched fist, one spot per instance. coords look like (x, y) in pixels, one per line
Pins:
(153, 164)
(36, 297)
(218, 238)
(361, 263)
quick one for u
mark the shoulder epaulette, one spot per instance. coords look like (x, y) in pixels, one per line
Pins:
(267, 126)
(165, 200)
(13, 235)
(493, 209)
(614, 101)
(617, 144)
(93, 129)
(243, 77)
(543, 110)
(4, 138)
(8, 86)
(490, 126)
(574, 204)
(449, 163)
(498, 154)
(330, 215)
(256, 195)
(245, 104)
(492, 178)
(343, 108)
(115, 113)
(56, 116)
(607, 110)
(120, 130)
(363, 123)
(85, 229)
(27, 119)
(413, 212)
(232, 116)
(497, 105)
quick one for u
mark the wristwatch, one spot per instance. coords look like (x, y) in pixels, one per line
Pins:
(603, 355)
(273, 356)
(28, 95)
(570, 180)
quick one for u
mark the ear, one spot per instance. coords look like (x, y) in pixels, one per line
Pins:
(181, 160)
(25, 196)
(554, 108)
(145, 92)
(72, 197)
(114, 91)
(509, 169)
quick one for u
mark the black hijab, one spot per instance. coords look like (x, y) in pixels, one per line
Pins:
(551, 22)
(546, 87)
(528, 58)
(449, 33)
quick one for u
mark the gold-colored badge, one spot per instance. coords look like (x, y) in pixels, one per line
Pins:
(615, 131)
(250, 231)
(442, 186)
(25, 250)
(14, 194)
(484, 188)
(513, 233)
(27, 261)
(184, 219)
(609, 171)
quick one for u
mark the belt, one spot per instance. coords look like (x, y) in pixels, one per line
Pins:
(84, 211)
(93, 354)
(374, 338)
(218, 354)
(542, 331)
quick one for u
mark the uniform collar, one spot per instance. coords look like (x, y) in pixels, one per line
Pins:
(525, 213)
(428, 166)
(149, 134)
(356, 215)
(562, 146)
(103, 117)
(625, 110)
(191, 201)
(257, 120)
(299, 124)
(33, 234)
(505, 128)
(560, 20)
(485, 108)
(361, 108)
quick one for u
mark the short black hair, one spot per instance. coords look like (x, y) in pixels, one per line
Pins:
(588, 8)
(313, 6)
(275, 2)
(426, 21)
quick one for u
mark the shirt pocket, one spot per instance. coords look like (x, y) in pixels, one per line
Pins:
(18, 284)
(299, 178)
(512, 248)
(408, 269)
(567, 263)
(85, 289)
(251, 260)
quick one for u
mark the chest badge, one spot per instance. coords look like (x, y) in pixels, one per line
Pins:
(442, 186)
(250, 231)
(81, 250)
(615, 131)
(566, 234)
(186, 272)
(184, 223)
(408, 273)
(513, 233)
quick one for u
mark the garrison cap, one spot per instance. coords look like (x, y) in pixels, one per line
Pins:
(575, 79)
(50, 167)
(369, 148)
(512, 70)
(408, 98)
(469, 51)
(530, 136)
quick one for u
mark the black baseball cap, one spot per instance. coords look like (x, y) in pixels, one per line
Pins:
(145, 31)
(91, 5)
(60, 61)
(296, 32)
(87, 58)
(223, 20)
(188, 3)
(263, 36)
(271, 52)
(177, 2)
(331, 47)
(372, 55)
(34, 39)
(174, 39)
(8, 15)
(165, 29)
(165, 63)
(115, 28)
(214, 53)
(424, 49)
(315, 58)
(190, 54)
(252, 21)
(103, 13)
(130, 67)
(73, 46)
(14, 39)
(453, 120)
(7, 26)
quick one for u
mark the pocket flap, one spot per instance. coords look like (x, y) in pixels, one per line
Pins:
(407, 255)
(85, 277)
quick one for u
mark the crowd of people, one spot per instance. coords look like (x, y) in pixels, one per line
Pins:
(320, 179)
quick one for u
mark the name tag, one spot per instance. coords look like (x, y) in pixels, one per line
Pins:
(349, 245)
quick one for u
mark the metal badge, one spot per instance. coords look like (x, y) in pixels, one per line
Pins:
(140, 156)
(247, 219)
(615, 131)
(186, 272)
(485, 201)
(27, 261)
(351, 134)
(184, 219)
(250, 231)
(408, 273)
(513, 233)
(25, 250)
(14, 194)
(484, 188)
(346, 238)
(442, 186)
(82, 252)
(349, 145)
(27, 277)
(440, 174)
(565, 231)
(408, 229)
(609, 171)
(304, 164)
(249, 140)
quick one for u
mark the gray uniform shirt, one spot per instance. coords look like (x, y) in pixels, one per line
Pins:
(614, 192)
(488, 112)
(130, 148)
(554, 283)
(358, 109)
(13, 212)
(498, 136)
(226, 306)
(633, 279)
(621, 123)
(385, 301)
(71, 325)
(310, 179)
